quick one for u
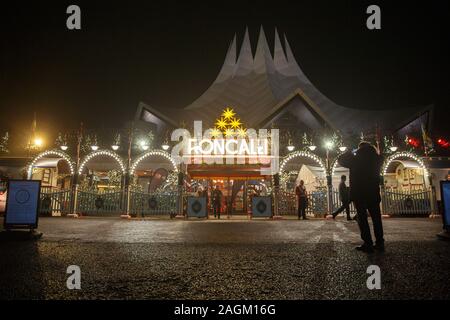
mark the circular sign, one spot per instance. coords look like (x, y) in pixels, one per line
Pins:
(409, 203)
(22, 196)
(99, 202)
(261, 206)
(196, 206)
(152, 203)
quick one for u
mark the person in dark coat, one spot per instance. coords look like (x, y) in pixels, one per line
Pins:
(365, 165)
(344, 197)
(302, 197)
(216, 201)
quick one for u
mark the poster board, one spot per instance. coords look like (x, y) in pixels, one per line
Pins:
(22, 204)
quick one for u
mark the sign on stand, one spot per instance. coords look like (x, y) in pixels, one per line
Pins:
(22, 204)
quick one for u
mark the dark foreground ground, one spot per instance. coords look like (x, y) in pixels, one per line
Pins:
(162, 259)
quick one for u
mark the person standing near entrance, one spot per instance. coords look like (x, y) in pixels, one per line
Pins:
(302, 197)
(365, 165)
(344, 197)
(216, 201)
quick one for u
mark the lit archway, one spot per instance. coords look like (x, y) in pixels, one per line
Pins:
(404, 154)
(302, 154)
(108, 153)
(58, 153)
(151, 153)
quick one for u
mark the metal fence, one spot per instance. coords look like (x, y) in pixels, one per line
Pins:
(396, 203)
(58, 202)
(100, 202)
(337, 203)
(55, 203)
(408, 203)
(317, 203)
(142, 204)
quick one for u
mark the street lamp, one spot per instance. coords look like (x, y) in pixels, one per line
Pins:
(312, 148)
(144, 145)
(329, 144)
(290, 148)
(64, 147)
(165, 147)
(393, 148)
(94, 148)
(115, 147)
(343, 149)
(38, 142)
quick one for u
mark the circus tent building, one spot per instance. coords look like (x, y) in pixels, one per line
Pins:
(269, 89)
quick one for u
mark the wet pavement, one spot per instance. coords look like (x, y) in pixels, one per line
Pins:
(226, 259)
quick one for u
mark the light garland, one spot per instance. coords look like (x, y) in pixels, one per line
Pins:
(336, 161)
(404, 154)
(94, 154)
(333, 168)
(304, 154)
(61, 154)
(153, 153)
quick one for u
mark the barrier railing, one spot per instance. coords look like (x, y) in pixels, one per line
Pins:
(408, 203)
(100, 202)
(142, 204)
(337, 203)
(55, 203)
(58, 202)
(317, 203)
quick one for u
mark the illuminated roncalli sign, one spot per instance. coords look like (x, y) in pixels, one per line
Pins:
(240, 146)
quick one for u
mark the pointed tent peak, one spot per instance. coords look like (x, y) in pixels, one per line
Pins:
(293, 68)
(279, 56)
(230, 58)
(263, 59)
(244, 63)
(289, 55)
(229, 63)
(262, 40)
(246, 46)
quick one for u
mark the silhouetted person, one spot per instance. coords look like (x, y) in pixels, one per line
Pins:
(344, 197)
(302, 197)
(216, 201)
(365, 166)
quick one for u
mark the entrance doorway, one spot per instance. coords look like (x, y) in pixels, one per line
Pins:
(238, 183)
(237, 192)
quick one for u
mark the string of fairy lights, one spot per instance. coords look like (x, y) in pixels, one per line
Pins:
(51, 153)
(150, 154)
(108, 153)
(227, 125)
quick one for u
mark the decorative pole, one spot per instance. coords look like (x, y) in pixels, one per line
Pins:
(127, 174)
(75, 178)
(276, 182)
(329, 183)
(180, 191)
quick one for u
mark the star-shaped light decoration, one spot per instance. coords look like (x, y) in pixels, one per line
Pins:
(235, 123)
(229, 133)
(215, 133)
(242, 133)
(221, 124)
(228, 113)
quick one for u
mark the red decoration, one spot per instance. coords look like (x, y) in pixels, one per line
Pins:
(443, 143)
(414, 142)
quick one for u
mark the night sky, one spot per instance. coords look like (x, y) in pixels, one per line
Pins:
(167, 53)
